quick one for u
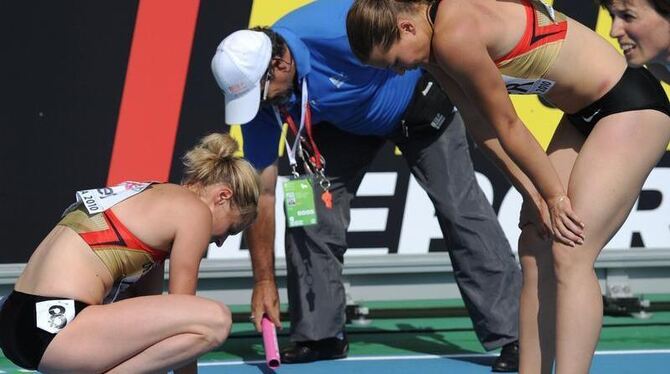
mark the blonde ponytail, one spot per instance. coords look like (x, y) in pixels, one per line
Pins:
(213, 161)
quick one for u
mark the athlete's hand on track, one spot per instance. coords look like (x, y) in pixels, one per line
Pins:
(265, 300)
(567, 227)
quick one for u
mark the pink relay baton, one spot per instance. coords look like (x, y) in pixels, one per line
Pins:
(270, 344)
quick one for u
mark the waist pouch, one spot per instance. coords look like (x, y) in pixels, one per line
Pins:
(429, 112)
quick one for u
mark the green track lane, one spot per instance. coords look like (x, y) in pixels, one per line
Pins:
(433, 335)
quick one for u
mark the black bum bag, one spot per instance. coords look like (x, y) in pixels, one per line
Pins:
(429, 111)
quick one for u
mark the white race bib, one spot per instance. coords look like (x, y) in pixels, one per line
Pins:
(100, 199)
(527, 86)
(54, 315)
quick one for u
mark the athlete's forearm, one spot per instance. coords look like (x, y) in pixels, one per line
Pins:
(526, 152)
(482, 133)
(494, 151)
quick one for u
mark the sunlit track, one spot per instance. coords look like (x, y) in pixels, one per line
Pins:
(605, 362)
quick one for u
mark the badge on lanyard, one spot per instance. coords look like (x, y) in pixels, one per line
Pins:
(299, 202)
(298, 192)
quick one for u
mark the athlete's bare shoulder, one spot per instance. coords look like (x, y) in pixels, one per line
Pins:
(157, 212)
(459, 23)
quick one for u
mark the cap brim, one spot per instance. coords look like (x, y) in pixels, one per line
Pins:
(243, 108)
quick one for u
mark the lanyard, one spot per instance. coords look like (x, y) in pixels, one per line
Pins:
(305, 123)
(316, 159)
(304, 106)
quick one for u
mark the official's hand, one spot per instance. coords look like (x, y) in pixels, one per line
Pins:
(265, 300)
(567, 227)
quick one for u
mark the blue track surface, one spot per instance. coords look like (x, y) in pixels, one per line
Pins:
(633, 362)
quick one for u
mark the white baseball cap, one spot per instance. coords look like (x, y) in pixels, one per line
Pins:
(238, 66)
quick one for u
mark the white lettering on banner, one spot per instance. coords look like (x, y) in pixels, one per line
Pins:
(420, 226)
(231, 249)
(485, 185)
(368, 219)
(654, 224)
(373, 219)
(508, 216)
(378, 184)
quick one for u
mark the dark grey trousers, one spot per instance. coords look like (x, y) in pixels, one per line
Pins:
(485, 270)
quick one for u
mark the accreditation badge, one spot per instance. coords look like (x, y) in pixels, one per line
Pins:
(299, 202)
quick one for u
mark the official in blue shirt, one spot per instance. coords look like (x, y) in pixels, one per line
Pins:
(302, 71)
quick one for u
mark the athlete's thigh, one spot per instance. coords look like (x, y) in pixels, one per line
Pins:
(612, 166)
(102, 336)
(563, 149)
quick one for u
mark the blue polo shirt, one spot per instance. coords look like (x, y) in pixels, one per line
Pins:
(342, 91)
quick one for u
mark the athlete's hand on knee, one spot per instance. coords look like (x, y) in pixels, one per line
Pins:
(544, 219)
(567, 227)
(265, 300)
(534, 211)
